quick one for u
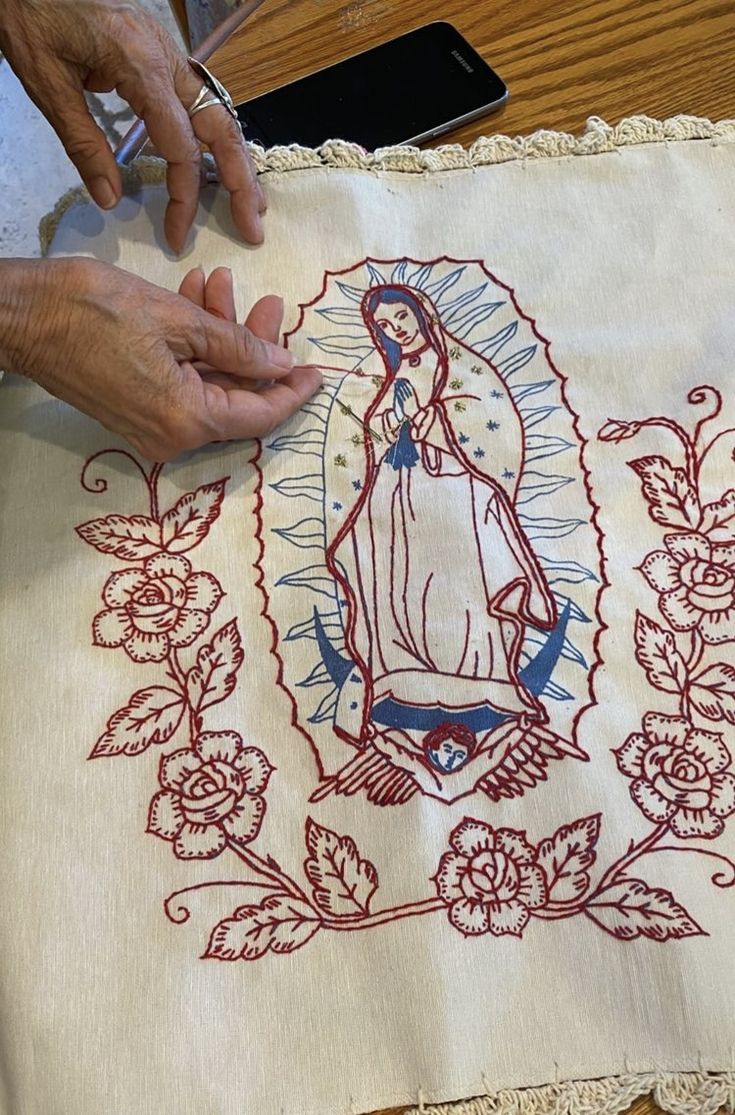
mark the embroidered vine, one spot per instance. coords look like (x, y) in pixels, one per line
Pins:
(211, 798)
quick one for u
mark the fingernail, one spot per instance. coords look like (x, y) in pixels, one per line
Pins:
(103, 193)
(281, 357)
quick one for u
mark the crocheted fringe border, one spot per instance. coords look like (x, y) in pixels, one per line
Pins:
(694, 1093)
(597, 138)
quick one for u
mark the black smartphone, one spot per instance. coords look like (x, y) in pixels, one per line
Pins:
(413, 88)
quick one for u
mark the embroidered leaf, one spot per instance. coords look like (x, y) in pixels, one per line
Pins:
(306, 629)
(493, 345)
(672, 501)
(573, 609)
(309, 486)
(418, 277)
(315, 577)
(616, 430)
(277, 924)
(567, 856)
(656, 651)
(376, 278)
(343, 882)
(549, 527)
(437, 289)
(537, 484)
(320, 675)
(353, 293)
(568, 649)
(326, 708)
(341, 346)
(556, 692)
(212, 679)
(338, 315)
(462, 324)
(566, 572)
(630, 909)
(307, 534)
(518, 360)
(539, 446)
(318, 409)
(398, 274)
(307, 443)
(465, 299)
(712, 692)
(186, 524)
(534, 416)
(151, 716)
(716, 514)
(131, 537)
(525, 390)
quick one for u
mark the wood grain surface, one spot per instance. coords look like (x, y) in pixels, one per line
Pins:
(562, 61)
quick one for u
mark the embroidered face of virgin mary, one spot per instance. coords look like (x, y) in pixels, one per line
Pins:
(398, 322)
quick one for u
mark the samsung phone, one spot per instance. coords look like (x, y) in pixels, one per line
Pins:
(413, 88)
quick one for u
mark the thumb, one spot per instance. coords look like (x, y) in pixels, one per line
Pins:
(84, 142)
(228, 347)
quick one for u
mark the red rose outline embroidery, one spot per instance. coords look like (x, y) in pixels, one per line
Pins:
(695, 579)
(493, 880)
(680, 775)
(212, 793)
(150, 610)
(490, 880)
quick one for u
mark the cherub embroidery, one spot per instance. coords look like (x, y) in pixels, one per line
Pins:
(445, 627)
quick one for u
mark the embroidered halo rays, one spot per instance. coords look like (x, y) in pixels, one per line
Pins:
(430, 568)
(434, 598)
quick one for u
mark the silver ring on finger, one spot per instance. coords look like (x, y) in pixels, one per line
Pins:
(212, 92)
(205, 99)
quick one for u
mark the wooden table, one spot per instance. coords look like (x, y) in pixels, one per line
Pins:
(563, 61)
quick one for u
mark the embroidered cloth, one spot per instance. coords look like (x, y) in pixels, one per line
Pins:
(390, 760)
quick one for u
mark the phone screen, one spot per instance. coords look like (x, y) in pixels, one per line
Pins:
(411, 88)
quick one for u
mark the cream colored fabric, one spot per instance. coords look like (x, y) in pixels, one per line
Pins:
(410, 617)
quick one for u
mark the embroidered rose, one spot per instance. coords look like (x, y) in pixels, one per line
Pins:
(490, 880)
(679, 775)
(153, 609)
(210, 794)
(696, 580)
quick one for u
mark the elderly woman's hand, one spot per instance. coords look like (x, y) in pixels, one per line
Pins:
(167, 371)
(60, 48)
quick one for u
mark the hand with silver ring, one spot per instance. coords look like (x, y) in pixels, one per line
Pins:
(205, 99)
(60, 48)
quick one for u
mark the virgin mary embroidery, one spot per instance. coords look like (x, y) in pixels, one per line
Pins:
(435, 652)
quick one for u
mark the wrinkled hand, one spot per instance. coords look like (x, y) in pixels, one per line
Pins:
(59, 48)
(124, 351)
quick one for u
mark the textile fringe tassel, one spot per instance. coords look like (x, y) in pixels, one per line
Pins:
(598, 137)
(694, 1093)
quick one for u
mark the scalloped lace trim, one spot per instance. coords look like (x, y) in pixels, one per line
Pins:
(597, 138)
(693, 1093)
